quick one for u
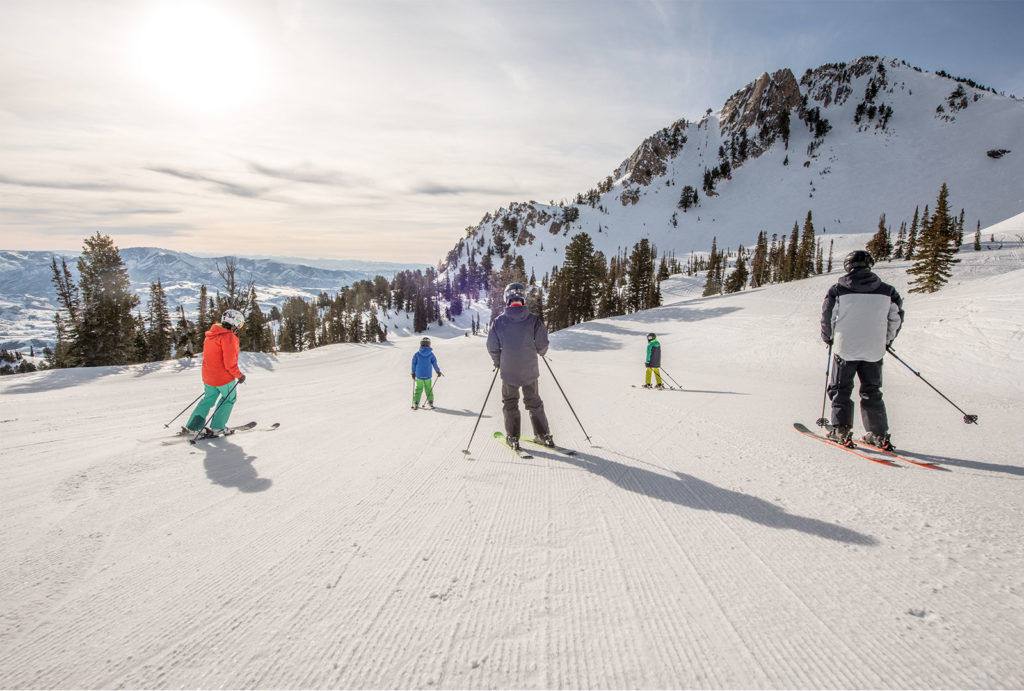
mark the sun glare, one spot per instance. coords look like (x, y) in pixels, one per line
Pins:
(199, 57)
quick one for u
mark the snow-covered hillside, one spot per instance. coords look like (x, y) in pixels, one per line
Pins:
(847, 177)
(28, 300)
(697, 542)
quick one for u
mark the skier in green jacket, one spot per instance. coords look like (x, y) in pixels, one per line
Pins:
(653, 362)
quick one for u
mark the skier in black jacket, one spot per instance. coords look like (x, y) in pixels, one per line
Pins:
(860, 318)
(516, 338)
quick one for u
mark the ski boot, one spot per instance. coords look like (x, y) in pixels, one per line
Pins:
(646, 386)
(429, 404)
(882, 441)
(208, 433)
(841, 434)
(547, 440)
(512, 442)
(659, 386)
(185, 432)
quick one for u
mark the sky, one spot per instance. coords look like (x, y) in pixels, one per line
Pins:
(383, 130)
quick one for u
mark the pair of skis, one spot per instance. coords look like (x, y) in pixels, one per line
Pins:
(247, 427)
(500, 436)
(663, 387)
(864, 446)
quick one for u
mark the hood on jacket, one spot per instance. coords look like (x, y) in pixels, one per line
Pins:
(517, 313)
(862, 280)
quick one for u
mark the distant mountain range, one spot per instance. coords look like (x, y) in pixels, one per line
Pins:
(28, 301)
(845, 141)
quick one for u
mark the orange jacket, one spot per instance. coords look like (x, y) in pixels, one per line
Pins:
(220, 356)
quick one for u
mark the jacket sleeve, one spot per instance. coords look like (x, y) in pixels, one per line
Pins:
(895, 321)
(647, 360)
(540, 337)
(826, 315)
(415, 357)
(231, 356)
(433, 361)
(494, 344)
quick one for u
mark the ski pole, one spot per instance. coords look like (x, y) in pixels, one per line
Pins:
(466, 450)
(968, 418)
(222, 402)
(821, 421)
(665, 372)
(566, 399)
(186, 408)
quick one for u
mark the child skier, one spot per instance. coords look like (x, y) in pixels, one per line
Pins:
(221, 376)
(424, 363)
(653, 361)
(860, 318)
(516, 338)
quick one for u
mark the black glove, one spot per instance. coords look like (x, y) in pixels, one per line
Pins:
(241, 379)
(413, 375)
(439, 374)
(828, 342)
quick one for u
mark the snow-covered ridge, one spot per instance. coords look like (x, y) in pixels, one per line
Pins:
(848, 142)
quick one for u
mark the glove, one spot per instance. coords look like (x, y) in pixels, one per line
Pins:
(828, 342)
(413, 375)
(241, 379)
(439, 373)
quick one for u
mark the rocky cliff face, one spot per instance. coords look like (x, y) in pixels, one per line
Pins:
(761, 103)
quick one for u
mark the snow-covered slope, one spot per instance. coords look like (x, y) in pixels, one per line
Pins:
(846, 177)
(696, 542)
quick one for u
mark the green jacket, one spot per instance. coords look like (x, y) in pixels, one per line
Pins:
(653, 354)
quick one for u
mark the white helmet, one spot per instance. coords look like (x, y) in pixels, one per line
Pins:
(232, 319)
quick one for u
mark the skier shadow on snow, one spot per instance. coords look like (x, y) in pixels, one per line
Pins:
(465, 412)
(694, 493)
(228, 465)
(963, 463)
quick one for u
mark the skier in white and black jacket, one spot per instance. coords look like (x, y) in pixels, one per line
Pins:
(860, 318)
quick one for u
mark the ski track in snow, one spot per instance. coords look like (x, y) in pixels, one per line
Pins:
(698, 542)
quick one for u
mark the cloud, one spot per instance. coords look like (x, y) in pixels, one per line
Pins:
(435, 189)
(308, 174)
(65, 185)
(229, 187)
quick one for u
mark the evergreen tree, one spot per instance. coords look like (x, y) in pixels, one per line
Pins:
(912, 235)
(68, 300)
(579, 281)
(759, 269)
(901, 242)
(738, 278)
(203, 320)
(713, 283)
(790, 265)
(160, 337)
(936, 249)
(879, 245)
(105, 334)
(977, 238)
(804, 262)
(831, 244)
(641, 293)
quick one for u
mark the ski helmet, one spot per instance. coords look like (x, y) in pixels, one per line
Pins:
(515, 292)
(858, 259)
(232, 319)
(425, 342)
(651, 337)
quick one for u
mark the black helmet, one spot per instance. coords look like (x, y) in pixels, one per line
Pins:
(425, 341)
(858, 259)
(515, 292)
(651, 337)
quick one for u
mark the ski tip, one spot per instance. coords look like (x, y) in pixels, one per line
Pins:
(498, 435)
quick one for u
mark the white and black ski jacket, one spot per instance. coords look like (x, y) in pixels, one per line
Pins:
(861, 315)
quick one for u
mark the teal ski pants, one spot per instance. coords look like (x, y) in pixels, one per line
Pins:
(220, 419)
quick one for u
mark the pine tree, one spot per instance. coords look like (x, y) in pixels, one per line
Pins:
(805, 253)
(977, 238)
(68, 300)
(901, 242)
(879, 245)
(738, 278)
(160, 335)
(713, 283)
(790, 265)
(105, 334)
(831, 244)
(908, 253)
(936, 250)
(203, 321)
(759, 270)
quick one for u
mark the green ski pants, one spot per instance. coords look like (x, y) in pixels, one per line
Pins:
(423, 385)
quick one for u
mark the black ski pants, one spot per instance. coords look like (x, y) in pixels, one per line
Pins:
(840, 391)
(534, 406)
